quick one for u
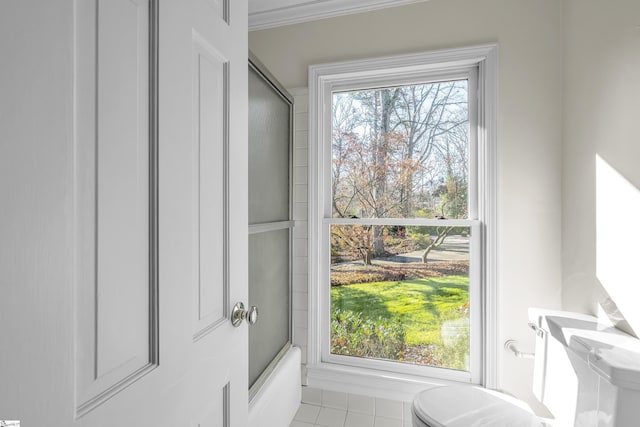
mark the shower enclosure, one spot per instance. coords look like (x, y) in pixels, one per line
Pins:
(270, 224)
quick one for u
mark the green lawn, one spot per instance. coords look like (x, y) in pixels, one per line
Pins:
(421, 305)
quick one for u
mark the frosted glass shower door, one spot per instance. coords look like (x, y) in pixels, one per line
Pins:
(270, 225)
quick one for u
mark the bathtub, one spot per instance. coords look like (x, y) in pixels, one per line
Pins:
(276, 403)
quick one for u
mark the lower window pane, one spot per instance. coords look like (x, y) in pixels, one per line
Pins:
(401, 293)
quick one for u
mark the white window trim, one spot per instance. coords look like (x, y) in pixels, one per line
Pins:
(323, 80)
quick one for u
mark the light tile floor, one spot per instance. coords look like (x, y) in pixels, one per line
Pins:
(335, 409)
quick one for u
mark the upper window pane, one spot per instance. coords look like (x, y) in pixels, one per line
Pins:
(401, 152)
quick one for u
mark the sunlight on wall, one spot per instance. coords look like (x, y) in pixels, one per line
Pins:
(618, 240)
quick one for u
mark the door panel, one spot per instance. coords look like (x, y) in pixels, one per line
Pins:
(210, 146)
(124, 236)
(116, 241)
(217, 36)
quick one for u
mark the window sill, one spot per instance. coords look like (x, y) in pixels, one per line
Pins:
(369, 382)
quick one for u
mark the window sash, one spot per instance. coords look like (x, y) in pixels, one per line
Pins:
(469, 73)
(475, 302)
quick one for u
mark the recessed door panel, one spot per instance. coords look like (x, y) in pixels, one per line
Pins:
(221, 8)
(217, 410)
(115, 207)
(210, 107)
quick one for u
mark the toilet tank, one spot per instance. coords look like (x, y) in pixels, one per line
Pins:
(585, 373)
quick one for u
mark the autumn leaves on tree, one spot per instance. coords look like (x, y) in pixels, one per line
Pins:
(398, 153)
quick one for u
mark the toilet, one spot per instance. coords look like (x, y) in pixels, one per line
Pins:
(474, 406)
(587, 374)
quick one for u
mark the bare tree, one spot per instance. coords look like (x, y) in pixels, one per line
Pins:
(441, 234)
(394, 149)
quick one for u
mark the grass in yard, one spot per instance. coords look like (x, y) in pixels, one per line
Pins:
(421, 305)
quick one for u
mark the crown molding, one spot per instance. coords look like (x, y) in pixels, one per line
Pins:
(312, 10)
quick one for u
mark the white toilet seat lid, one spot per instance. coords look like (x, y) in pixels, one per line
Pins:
(470, 406)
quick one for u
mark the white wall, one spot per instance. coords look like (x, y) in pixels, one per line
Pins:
(529, 34)
(301, 218)
(602, 112)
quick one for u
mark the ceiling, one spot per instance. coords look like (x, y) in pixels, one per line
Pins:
(274, 13)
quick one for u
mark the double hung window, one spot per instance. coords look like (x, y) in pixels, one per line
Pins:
(400, 216)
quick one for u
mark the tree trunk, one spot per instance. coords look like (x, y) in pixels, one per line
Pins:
(425, 254)
(442, 234)
(388, 100)
(368, 257)
(378, 240)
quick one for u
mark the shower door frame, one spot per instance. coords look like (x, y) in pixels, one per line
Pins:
(272, 82)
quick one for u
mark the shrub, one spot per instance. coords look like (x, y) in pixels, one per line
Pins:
(355, 335)
(349, 277)
(453, 350)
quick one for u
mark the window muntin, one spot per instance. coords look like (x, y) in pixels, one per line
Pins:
(409, 167)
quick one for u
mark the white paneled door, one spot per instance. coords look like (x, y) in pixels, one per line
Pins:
(123, 179)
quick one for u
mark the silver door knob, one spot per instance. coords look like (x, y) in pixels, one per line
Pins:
(239, 314)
